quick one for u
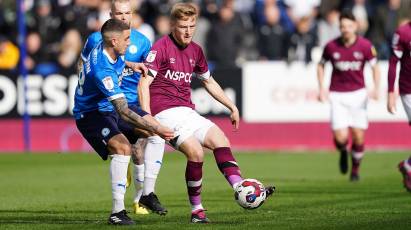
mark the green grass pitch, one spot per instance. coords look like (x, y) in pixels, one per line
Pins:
(72, 191)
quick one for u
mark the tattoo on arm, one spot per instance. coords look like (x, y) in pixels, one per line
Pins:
(128, 115)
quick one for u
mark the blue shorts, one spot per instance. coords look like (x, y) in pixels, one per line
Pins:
(99, 127)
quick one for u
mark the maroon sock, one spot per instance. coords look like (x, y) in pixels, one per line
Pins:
(194, 174)
(227, 165)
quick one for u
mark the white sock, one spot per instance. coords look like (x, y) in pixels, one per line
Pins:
(153, 158)
(357, 155)
(196, 207)
(235, 185)
(118, 174)
(138, 173)
(407, 166)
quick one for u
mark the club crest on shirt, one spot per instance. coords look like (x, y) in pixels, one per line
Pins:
(132, 49)
(151, 56)
(105, 132)
(172, 60)
(192, 62)
(108, 83)
(336, 55)
(358, 55)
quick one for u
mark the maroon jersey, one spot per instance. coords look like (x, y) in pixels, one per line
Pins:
(348, 63)
(401, 51)
(173, 68)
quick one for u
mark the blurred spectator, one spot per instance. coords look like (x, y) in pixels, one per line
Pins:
(383, 26)
(78, 16)
(47, 24)
(328, 27)
(103, 15)
(202, 29)
(162, 26)
(361, 10)
(329, 5)
(272, 36)
(225, 38)
(69, 51)
(38, 59)
(302, 41)
(299, 9)
(9, 54)
(137, 22)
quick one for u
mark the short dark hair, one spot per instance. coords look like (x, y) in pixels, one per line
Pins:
(112, 26)
(347, 14)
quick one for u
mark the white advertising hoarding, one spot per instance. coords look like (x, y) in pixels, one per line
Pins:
(278, 92)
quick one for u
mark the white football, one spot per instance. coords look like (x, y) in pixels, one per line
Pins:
(250, 193)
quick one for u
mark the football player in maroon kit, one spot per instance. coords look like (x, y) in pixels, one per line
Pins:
(348, 96)
(174, 60)
(401, 51)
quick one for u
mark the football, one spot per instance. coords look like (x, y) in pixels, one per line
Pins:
(250, 193)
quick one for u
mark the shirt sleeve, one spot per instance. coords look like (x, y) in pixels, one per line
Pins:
(107, 83)
(396, 54)
(326, 55)
(154, 59)
(201, 67)
(370, 54)
(147, 47)
(396, 45)
(91, 42)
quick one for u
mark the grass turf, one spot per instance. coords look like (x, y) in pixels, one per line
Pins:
(71, 191)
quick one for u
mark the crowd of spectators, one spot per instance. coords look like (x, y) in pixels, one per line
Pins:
(230, 31)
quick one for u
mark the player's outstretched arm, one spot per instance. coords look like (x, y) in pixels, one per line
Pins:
(144, 92)
(322, 91)
(375, 93)
(137, 67)
(392, 74)
(214, 89)
(129, 116)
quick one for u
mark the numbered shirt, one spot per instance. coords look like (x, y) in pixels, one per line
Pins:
(401, 49)
(173, 68)
(348, 63)
(136, 52)
(98, 82)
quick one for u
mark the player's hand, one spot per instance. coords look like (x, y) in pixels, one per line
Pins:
(235, 118)
(374, 94)
(323, 95)
(391, 103)
(139, 68)
(165, 133)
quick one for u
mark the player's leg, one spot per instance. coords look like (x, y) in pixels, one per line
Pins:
(153, 159)
(405, 166)
(340, 142)
(102, 133)
(358, 112)
(340, 120)
(120, 150)
(193, 150)
(405, 169)
(142, 201)
(137, 150)
(357, 152)
(215, 139)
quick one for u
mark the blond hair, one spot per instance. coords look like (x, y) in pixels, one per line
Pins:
(183, 11)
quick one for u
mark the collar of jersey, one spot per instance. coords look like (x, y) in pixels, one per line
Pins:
(108, 57)
(176, 43)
